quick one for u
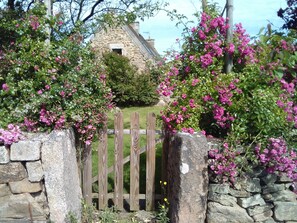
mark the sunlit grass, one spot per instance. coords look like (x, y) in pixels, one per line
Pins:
(143, 111)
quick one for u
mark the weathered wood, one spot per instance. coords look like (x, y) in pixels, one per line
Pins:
(125, 160)
(128, 132)
(102, 168)
(150, 161)
(229, 36)
(118, 196)
(87, 174)
(165, 146)
(204, 5)
(127, 196)
(118, 161)
(134, 163)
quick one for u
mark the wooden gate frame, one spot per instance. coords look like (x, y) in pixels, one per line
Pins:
(118, 196)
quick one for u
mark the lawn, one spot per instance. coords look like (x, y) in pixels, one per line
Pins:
(143, 111)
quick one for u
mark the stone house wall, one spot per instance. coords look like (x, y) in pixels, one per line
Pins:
(39, 179)
(126, 39)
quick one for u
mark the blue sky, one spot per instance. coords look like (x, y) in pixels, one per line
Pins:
(253, 14)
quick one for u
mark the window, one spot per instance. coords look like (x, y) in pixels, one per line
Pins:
(118, 51)
(117, 48)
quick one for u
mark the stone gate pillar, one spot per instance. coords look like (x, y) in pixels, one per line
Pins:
(187, 178)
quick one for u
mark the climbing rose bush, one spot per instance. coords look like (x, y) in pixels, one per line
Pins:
(50, 85)
(251, 105)
(10, 135)
(277, 157)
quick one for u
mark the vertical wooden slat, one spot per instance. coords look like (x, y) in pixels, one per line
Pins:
(165, 146)
(134, 163)
(87, 174)
(118, 163)
(102, 167)
(150, 162)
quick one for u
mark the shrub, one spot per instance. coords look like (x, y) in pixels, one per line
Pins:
(54, 85)
(128, 86)
(249, 106)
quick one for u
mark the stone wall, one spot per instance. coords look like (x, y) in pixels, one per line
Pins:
(39, 179)
(259, 197)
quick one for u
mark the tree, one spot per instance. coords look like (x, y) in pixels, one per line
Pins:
(89, 13)
(128, 86)
(289, 15)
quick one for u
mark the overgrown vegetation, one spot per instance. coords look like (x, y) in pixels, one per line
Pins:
(129, 87)
(44, 85)
(253, 108)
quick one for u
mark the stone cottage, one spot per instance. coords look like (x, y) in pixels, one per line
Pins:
(127, 41)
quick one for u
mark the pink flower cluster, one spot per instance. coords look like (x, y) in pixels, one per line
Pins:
(173, 119)
(11, 135)
(277, 158)
(166, 87)
(34, 23)
(188, 130)
(206, 60)
(226, 93)
(87, 130)
(49, 118)
(30, 125)
(5, 87)
(222, 164)
(288, 87)
(286, 101)
(222, 117)
(246, 51)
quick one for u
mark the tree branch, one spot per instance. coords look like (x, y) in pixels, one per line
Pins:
(71, 13)
(10, 4)
(92, 11)
(79, 10)
(127, 4)
(29, 5)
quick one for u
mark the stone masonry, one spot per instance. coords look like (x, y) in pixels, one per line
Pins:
(193, 198)
(253, 199)
(129, 41)
(34, 174)
(257, 197)
(187, 178)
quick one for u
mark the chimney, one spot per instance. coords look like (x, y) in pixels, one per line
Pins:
(135, 26)
(151, 42)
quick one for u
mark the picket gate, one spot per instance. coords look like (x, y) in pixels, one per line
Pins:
(118, 196)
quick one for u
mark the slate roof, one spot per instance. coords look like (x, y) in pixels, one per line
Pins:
(142, 41)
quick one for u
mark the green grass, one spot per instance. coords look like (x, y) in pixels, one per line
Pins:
(143, 111)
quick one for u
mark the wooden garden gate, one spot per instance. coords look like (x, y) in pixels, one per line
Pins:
(118, 196)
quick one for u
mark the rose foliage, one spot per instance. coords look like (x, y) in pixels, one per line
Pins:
(49, 85)
(253, 109)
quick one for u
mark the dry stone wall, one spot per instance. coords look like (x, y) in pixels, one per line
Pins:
(39, 179)
(258, 198)
(196, 198)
